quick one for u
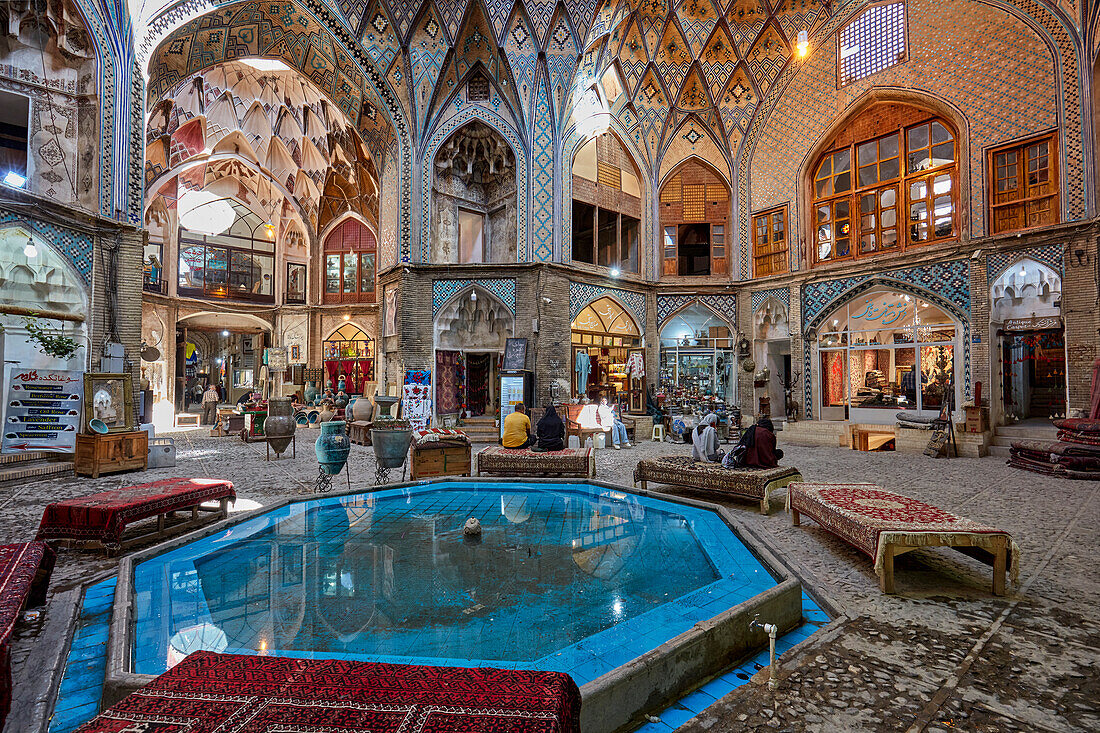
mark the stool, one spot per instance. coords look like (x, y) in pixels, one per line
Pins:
(658, 432)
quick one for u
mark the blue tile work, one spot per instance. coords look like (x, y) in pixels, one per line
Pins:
(577, 558)
(75, 247)
(444, 290)
(687, 707)
(1050, 255)
(86, 666)
(581, 294)
(542, 194)
(723, 305)
(783, 295)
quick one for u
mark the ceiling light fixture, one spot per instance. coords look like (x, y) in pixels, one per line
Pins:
(803, 45)
(30, 251)
(14, 179)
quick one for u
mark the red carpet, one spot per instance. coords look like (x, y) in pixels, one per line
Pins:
(104, 516)
(25, 570)
(231, 693)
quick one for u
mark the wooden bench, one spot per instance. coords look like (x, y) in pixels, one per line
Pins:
(102, 518)
(580, 420)
(884, 525)
(748, 483)
(577, 462)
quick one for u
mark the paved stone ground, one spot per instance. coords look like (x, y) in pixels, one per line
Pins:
(941, 655)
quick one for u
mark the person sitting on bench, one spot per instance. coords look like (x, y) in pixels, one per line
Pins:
(704, 440)
(550, 431)
(517, 429)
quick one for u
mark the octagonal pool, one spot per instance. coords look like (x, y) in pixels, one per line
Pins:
(573, 577)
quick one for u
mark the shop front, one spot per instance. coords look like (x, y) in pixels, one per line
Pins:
(607, 354)
(887, 351)
(697, 357)
(349, 357)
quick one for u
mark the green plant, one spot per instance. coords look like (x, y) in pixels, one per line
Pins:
(390, 423)
(51, 341)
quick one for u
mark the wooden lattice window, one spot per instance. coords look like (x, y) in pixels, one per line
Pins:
(350, 264)
(862, 190)
(609, 175)
(695, 202)
(1025, 185)
(769, 242)
(694, 216)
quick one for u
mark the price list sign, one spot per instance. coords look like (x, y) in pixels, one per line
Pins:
(43, 410)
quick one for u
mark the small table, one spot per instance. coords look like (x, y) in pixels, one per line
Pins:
(102, 518)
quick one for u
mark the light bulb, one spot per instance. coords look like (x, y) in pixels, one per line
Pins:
(30, 251)
(1023, 271)
(225, 333)
(473, 297)
(614, 272)
(803, 45)
(15, 180)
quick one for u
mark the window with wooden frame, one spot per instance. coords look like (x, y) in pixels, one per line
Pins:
(607, 206)
(769, 242)
(886, 193)
(350, 263)
(1025, 191)
(694, 210)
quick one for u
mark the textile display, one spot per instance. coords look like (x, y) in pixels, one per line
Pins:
(1076, 453)
(870, 518)
(477, 384)
(635, 366)
(416, 399)
(437, 435)
(1094, 395)
(104, 516)
(579, 462)
(231, 693)
(583, 368)
(25, 570)
(750, 483)
(447, 397)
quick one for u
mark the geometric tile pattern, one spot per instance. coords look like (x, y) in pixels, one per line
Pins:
(581, 294)
(444, 131)
(783, 295)
(669, 304)
(561, 60)
(542, 194)
(75, 247)
(724, 306)
(502, 288)
(1050, 254)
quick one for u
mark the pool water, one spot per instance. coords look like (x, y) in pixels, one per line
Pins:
(563, 576)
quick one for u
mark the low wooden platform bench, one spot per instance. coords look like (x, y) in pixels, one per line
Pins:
(747, 483)
(884, 525)
(25, 570)
(102, 518)
(573, 462)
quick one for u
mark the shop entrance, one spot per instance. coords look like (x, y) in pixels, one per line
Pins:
(222, 349)
(349, 359)
(470, 333)
(607, 356)
(697, 361)
(1033, 369)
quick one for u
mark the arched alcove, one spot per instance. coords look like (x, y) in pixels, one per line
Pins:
(1026, 289)
(470, 332)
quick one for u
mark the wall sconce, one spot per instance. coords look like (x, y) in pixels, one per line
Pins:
(1081, 255)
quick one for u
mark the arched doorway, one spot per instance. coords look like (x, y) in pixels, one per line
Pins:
(223, 349)
(474, 198)
(1026, 319)
(348, 352)
(697, 358)
(604, 338)
(886, 351)
(772, 349)
(470, 333)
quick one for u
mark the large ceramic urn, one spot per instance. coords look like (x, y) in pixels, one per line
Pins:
(359, 410)
(391, 446)
(332, 447)
(280, 424)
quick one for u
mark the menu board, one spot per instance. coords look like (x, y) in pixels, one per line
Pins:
(42, 410)
(515, 354)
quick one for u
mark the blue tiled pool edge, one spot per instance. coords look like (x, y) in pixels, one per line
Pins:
(82, 680)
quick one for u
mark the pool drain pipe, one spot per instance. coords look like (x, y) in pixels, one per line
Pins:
(772, 631)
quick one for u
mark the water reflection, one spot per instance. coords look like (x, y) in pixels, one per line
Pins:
(369, 576)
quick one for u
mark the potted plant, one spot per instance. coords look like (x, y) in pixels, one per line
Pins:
(390, 439)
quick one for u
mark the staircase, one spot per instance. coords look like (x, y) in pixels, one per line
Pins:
(480, 429)
(19, 467)
(1046, 401)
(1004, 435)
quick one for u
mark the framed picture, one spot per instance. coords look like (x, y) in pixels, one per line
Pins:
(295, 282)
(109, 399)
(295, 353)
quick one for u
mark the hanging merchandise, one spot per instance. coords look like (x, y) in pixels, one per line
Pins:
(416, 398)
(583, 367)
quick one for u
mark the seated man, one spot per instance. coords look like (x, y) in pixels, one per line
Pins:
(609, 421)
(517, 429)
(550, 431)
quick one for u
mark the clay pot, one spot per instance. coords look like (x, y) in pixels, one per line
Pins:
(359, 410)
(391, 447)
(280, 424)
(310, 393)
(385, 404)
(332, 447)
(326, 414)
(341, 399)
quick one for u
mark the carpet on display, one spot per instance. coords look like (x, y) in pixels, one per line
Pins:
(751, 483)
(526, 462)
(25, 570)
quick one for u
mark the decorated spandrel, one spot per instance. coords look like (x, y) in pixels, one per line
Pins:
(43, 410)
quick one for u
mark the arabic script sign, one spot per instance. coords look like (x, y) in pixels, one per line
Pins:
(42, 410)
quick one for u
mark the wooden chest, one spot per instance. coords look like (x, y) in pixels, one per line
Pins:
(440, 459)
(111, 453)
(359, 432)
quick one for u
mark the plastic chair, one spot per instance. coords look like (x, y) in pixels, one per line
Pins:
(658, 432)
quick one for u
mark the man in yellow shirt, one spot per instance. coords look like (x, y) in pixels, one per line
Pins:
(517, 429)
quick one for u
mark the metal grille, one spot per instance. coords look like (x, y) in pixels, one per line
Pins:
(872, 42)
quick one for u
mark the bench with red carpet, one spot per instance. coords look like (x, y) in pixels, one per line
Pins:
(231, 693)
(884, 525)
(103, 517)
(577, 462)
(25, 570)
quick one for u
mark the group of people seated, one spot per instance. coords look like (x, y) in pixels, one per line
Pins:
(550, 431)
(756, 449)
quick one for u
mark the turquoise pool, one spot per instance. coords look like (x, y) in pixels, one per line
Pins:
(571, 577)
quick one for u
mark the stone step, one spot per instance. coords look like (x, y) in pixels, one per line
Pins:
(999, 451)
(33, 470)
(1026, 432)
(12, 458)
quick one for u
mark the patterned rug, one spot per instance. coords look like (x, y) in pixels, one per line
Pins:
(25, 570)
(752, 483)
(870, 518)
(1057, 458)
(228, 693)
(104, 516)
(579, 462)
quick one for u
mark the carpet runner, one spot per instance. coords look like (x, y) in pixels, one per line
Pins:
(231, 693)
(25, 570)
(578, 462)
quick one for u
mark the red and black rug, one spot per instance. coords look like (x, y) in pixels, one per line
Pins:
(231, 693)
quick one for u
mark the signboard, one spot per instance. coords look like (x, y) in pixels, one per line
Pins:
(42, 410)
(511, 393)
(515, 354)
(276, 358)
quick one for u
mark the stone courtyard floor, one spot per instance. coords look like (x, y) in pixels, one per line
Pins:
(941, 655)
